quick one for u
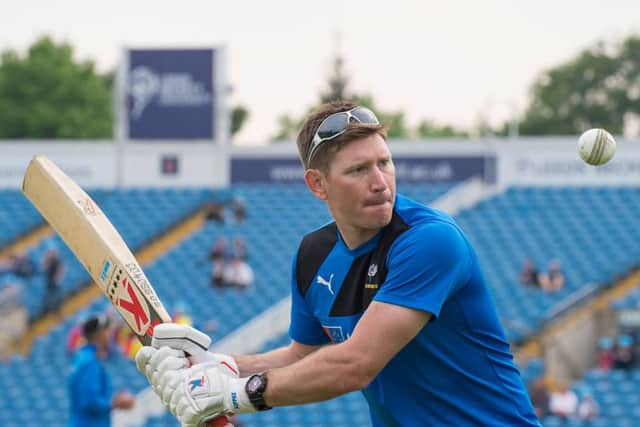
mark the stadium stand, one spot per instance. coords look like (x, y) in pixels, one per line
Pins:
(263, 235)
(559, 222)
(545, 223)
(17, 216)
(138, 214)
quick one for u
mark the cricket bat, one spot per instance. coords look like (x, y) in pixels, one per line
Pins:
(99, 247)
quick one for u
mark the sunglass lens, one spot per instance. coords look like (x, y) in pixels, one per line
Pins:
(332, 126)
(365, 116)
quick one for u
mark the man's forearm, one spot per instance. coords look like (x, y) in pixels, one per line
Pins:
(327, 373)
(251, 364)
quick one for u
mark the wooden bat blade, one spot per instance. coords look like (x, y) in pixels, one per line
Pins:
(99, 247)
(96, 243)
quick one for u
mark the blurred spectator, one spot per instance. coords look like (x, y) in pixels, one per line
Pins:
(53, 269)
(539, 397)
(238, 273)
(624, 357)
(214, 211)
(218, 254)
(555, 276)
(240, 248)
(75, 339)
(219, 250)
(239, 209)
(588, 408)
(606, 356)
(563, 402)
(19, 265)
(529, 274)
(90, 392)
(217, 274)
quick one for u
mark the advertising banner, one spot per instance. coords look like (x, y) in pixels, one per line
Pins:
(170, 94)
(414, 169)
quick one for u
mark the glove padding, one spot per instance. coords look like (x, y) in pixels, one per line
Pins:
(194, 343)
(203, 392)
(193, 395)
(152, 362)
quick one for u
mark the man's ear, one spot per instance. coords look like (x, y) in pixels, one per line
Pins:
(316, 182)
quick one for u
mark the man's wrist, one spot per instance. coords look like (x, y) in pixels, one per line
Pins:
(255, 387)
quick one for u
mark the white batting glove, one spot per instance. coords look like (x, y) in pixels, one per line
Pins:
(151, 362)
(203, 392)
(194, 343)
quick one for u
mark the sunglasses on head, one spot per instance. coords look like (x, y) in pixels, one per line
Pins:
(337, 124)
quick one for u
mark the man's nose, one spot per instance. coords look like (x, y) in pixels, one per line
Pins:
(378, 181)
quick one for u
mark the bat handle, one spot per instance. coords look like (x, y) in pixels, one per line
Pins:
(222, 421)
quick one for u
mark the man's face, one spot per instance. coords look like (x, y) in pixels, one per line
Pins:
(360, 185)
(104, 335)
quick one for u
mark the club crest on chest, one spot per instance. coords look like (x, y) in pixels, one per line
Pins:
(371, 282)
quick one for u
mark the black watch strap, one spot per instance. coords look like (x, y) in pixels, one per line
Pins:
(255, 388)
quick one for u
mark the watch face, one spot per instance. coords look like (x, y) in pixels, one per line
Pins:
(254, 384)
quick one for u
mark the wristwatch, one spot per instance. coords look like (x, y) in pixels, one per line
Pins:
(255, 387)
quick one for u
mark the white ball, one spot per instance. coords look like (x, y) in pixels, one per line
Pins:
(596, 146)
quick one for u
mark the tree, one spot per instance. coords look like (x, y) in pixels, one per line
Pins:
(597, 88)
(239, 116)
(337, 83)
(337, 89)
(46, 94)
(428, 129)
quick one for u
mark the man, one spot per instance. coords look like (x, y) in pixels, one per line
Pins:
(388, 299)
(53, 271)
(90, 388)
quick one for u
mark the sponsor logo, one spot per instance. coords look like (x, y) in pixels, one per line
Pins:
(234, 400)
(141, 281)
(169, 89)
(105, 270)
(373, 269)
(322, 281)
(195, 384)
(133, 305)
(88, 207)
(335, 333)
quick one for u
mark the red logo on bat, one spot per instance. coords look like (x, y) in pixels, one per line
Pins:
(133, 306)
(150, 328)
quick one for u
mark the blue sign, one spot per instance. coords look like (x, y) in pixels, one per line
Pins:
(408, 169)
(170, 94)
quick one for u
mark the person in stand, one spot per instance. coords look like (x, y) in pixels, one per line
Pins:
(90, 391)
(53, 269)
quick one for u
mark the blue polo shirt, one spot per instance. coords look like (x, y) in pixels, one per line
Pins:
(90, 390)
(458, 370)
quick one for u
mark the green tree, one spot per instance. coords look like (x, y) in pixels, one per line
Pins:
(239, 116)
(47, 94)
(428, 129)
(337, 89)
(337, 83)
(597, 88)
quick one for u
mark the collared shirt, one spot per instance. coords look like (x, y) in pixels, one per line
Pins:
(90, 390)
(458, 370)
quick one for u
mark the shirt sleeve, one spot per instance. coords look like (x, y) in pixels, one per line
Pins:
(425, 265)
(92, 396)
(304, 327)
